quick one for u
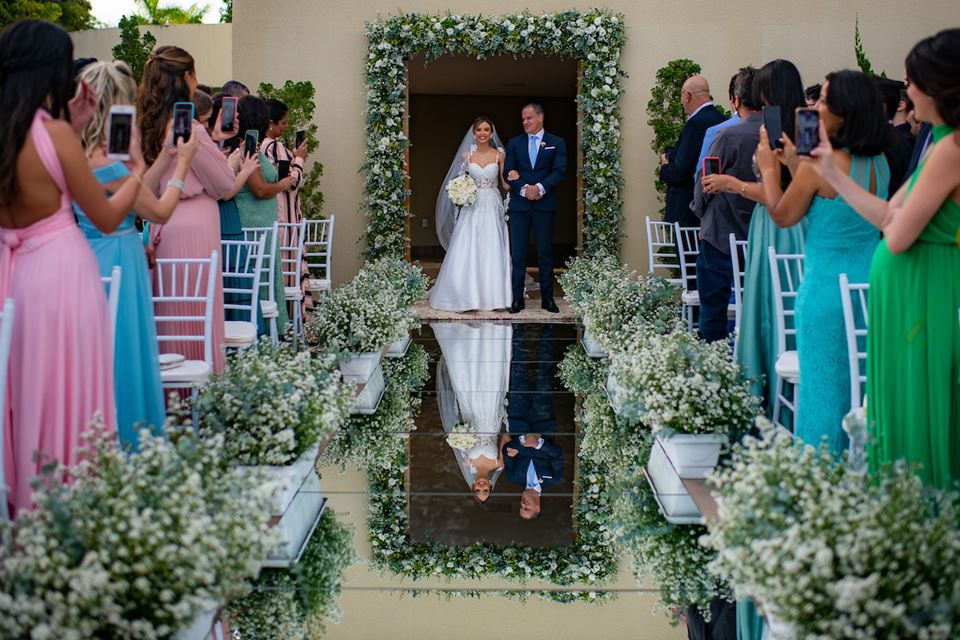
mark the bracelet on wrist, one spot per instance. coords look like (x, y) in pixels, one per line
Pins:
(177, 184)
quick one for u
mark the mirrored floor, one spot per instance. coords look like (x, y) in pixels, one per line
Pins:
(491, 409)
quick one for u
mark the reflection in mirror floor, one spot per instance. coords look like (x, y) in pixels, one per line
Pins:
(430, 518)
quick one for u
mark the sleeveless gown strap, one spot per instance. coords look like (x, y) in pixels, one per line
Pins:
(48, 154)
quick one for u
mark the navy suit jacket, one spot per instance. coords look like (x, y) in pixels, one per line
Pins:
(549, 171)
(918, 145)
(678, 173)
(547, 460)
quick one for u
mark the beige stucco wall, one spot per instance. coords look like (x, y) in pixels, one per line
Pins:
(210, 44)
(326, 45)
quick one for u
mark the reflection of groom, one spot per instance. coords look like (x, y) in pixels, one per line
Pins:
(531, 458)
(540, 159)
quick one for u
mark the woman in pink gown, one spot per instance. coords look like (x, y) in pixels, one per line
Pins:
(61, 366)
(194, 229)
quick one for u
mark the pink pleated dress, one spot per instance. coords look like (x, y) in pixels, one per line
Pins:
(193, 232)
(61, 361)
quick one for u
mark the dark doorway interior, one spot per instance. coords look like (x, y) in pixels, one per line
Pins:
(446, 96)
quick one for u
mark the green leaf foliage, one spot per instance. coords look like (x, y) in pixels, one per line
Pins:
(13, 10)
(299, 98)
(134, 48)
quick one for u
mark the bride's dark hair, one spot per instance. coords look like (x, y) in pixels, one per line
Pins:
(479, 121)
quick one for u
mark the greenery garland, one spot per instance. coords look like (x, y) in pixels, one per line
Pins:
(593, 37)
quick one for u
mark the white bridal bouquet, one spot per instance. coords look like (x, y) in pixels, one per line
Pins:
(462, 190)
(461, 437)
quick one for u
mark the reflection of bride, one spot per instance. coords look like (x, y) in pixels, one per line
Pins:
(473, 377)
(475, 273)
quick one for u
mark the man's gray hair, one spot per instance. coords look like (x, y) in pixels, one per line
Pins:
(538, 109)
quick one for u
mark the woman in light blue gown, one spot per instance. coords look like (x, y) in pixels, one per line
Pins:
(138, 389)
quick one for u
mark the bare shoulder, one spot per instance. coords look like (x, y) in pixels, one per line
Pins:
(59, 130)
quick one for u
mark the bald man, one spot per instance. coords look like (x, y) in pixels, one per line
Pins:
(678, 165)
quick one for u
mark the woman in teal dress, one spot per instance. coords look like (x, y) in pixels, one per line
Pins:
(138, 389)
(913, 343)
(838, 240)
(257, 199)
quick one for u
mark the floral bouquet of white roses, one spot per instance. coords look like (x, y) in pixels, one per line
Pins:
(833, 553)
(137, 544)
(674, 383)
(462, 190)
(272, 404)
(461, 437)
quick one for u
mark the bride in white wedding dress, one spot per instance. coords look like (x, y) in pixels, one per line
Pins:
(475, 274)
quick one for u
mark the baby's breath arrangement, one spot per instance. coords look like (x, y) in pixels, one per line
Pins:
(677, 384)
(832, 552)
(357, 318)
(405, 278)
(135, 546)
(272, 404)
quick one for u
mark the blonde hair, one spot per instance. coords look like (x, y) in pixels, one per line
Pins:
(112, 83)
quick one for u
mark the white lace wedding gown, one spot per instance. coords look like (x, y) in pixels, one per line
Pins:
(473, 378)
(475, 274)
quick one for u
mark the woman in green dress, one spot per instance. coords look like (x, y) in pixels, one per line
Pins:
(913, 343)
(257, 200)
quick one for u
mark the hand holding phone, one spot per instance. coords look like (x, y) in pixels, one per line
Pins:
(182, 121)
(228, 113)
(807, 130)
(250, 142)
(300, 137)
(120, 131)
(283, 169)
(773, 124)
(711, 165)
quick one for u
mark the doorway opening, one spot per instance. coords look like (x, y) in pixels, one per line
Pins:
(444, 98)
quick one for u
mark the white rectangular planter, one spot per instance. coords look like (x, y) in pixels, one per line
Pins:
(289, 478)
(360, 366)
(591, 346)
(675, 503)
(611, 388)
(693, 456)
(398, 348)
(367, 401)
(200, 628)
(297, 523)
(779, 630)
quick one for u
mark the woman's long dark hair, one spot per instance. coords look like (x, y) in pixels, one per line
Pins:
(933, 65)
(36, 70)
(855, 97)
(778, 83)
(254, 114)
(164, 83)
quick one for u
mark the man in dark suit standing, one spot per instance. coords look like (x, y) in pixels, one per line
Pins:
(679, 165)
(535, 164)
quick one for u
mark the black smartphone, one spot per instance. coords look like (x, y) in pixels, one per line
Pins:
(807, 130)
(120, 131)
(250, 141)
(301, 136)
(228, 113)
(182, 121)
(772, 122)
(711, 165)
(283, 169)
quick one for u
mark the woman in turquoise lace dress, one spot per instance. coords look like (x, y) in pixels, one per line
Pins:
(257, 200)
(139, 392)
(838, 240)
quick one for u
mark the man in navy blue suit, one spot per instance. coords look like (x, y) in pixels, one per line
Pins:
(535, 164)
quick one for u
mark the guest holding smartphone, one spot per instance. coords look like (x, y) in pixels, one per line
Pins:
(837, 240)
(61, 362)
(288, 202)
(257, 199)
(169, 77)
(913, 344)
(139, 391)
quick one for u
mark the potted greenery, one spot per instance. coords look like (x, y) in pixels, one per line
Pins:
(830, 552)
(409, 283)
(166, 531)
(272, 406)
(691, 395)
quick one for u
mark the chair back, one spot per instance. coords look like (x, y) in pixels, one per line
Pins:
(688, 248)
(853, 296)
(738, 262)
(786, 274)
(318, 246)
(6, 335)
(113, 298)
(192, 281)
(242, 269)
(290, 242)
(662, 250)
(269, 255)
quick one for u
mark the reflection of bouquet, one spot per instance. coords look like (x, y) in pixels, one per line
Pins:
(461, 437)
(462, 190)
